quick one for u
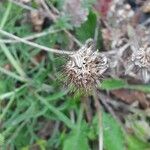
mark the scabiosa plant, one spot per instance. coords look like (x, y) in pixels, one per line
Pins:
(139, 65)
(86, 67)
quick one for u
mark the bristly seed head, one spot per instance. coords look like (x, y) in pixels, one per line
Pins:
(142, 57)
(86, 67)
(140, 60)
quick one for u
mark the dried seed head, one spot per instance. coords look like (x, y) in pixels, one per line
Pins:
(140, 62)
(142, 57)
(86, 67)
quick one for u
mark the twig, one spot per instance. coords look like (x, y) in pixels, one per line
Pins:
(51, 15)
(54, 18)
(54, 9)
(31, 37)
(35, 44)
(99, 112)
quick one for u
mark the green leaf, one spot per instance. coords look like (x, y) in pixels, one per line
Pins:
(87, 29)
(77, 140)
(112, 84)
(136, 144)
(2, 139)
(56, 96)
(113, 136)
(143, 88)
(42, 144)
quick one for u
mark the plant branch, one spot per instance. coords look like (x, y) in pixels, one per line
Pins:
(31, 37)
(35, 44)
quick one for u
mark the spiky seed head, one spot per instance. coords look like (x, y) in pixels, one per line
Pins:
(140, 61)
(86, 67)
(142, 57)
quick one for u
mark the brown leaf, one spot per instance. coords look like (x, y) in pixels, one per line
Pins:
(130, 96)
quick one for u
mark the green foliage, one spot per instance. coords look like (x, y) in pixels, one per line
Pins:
(113, 84)
(87, 29)
(136, 144)
(2, 140)
(113, 135)
(28, 103)
(77, 139)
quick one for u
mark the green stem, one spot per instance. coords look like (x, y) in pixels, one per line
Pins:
(6, 108)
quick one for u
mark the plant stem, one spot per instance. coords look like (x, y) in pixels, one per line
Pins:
(6, 108)
(35, 44)
(31, 37)
(100, 123)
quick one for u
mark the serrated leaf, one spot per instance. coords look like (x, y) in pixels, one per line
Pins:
(112, 84)
(113, 136)
(77, 140)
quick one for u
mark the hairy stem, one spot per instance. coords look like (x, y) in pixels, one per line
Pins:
(35, 44)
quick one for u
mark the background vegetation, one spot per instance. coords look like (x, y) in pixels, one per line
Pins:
(37, 110)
